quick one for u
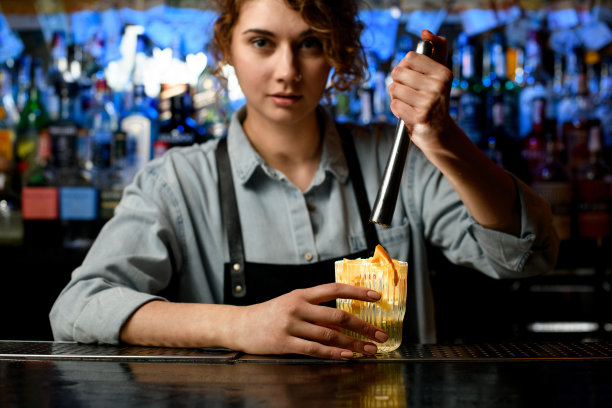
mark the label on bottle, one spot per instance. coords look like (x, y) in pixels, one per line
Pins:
(138, 131)
(109, 199)
(576, 137)
(39, 203)
(559, 195)
(78, 203)
(64, 145)
(101, 148)
(594, 217)
(176, 138)
(6, 144)
(26, 148)
(471, 116)
(531, 107)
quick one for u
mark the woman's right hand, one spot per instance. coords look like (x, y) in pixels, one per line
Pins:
(295, 323)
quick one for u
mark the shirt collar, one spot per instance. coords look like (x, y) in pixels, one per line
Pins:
(245, 160)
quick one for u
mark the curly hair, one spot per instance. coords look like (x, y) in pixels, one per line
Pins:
(335, 22)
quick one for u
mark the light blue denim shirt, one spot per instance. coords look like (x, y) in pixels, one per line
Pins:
(169, 221)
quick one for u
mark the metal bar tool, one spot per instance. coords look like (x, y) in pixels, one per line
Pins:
(384, 206)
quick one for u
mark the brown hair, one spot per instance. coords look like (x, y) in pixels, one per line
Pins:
(335, 22)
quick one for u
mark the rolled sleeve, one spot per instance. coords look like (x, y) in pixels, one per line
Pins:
(106, 314)
(533, 251)
(130, 262)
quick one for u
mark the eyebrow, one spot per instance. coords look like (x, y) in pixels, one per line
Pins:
(271, 34)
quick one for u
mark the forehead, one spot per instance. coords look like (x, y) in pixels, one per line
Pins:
(271, 15)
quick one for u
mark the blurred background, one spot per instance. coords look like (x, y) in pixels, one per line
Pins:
(90, 91)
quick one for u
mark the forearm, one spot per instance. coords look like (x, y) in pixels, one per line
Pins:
(487, 191)
(167, 324)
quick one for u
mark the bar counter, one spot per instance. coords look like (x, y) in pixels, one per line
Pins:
(57, 374)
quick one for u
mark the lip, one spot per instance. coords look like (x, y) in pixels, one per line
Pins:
(282, 99)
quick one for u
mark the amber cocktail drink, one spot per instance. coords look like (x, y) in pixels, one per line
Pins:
(387, 277)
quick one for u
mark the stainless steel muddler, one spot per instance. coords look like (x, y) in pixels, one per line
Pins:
(384, 206)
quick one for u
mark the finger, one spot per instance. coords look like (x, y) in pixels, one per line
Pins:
(314, 349)
(330, 291)
(339, 319)
(334, 338)
(418, 68)
(440, 45)
(421, 96)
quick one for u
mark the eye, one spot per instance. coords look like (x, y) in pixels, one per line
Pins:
(260, 42)
(312, 43)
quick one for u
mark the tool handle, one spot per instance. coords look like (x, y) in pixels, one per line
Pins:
(384, 206)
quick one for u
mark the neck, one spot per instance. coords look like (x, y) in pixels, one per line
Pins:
(294, 149)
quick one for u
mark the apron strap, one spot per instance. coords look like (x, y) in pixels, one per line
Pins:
(229, 211)
(356, 177)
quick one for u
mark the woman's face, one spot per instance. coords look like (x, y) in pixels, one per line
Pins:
(279, 62)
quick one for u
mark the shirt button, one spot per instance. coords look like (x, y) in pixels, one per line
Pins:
(308, 256)
(310, 207)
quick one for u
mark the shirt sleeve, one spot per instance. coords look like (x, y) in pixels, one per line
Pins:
(131, 260)
(447, 224)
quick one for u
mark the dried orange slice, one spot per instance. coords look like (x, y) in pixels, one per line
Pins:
(382, 256)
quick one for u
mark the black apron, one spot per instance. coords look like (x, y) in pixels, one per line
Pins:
(247, 283)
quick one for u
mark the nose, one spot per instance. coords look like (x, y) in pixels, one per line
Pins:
(287, 67)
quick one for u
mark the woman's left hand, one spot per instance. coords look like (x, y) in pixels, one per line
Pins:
(420, 93)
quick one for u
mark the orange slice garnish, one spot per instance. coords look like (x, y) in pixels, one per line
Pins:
(382, 256)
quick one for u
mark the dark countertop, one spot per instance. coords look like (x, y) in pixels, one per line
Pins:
(491, 375)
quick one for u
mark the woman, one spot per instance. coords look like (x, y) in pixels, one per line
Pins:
(228, 229)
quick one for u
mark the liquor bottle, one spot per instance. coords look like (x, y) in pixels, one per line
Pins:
(78, 199)
(7, 133)
(177, 127)
(8, 101)
(501, 147)
(565, 107)
(498, 87)
(537, 83)
(23, 83)
(515, 63)
(558, 90)
(594, 178)
(11, 222)
(112, 182)
(380, 97)
(57, 74)
(32, 121)
(592, 62)
(366, 92)
(603, 110)
(534, 143)
(471, 114)
(81, 83)
(576, 113)
(101, 122)
(140, 122)
(552, 181)
(212, 110)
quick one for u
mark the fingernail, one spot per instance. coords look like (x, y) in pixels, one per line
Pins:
(372, 294)
(369, 349)
(381, 336)
(346, 354)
